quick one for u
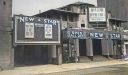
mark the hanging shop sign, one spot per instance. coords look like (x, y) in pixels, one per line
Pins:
(97, 14)
(35, 30)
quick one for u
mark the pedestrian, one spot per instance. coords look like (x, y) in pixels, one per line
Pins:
(75, 57)
(66, 56)
(121, 52)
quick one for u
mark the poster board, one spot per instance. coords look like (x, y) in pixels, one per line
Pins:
(36, 30)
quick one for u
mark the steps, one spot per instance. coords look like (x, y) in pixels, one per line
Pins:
(84, 59)
(99, 58)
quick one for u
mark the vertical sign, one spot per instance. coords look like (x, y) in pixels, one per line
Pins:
(48, 31)
(29, 30)
(97, 15)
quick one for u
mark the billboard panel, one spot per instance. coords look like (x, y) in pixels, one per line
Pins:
(35, 30)
(97, 15)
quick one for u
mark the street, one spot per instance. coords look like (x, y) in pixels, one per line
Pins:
(109, 67)
(107, 70)
(112, 70)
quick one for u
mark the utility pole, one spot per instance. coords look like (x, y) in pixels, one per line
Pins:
(107, 24)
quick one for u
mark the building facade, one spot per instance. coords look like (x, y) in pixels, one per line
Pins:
(80, 37)
(119, 10)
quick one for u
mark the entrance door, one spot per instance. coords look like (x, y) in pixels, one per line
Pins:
(97, 47)
(82, 47)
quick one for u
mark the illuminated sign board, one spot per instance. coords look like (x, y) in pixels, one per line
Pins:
(35, 30)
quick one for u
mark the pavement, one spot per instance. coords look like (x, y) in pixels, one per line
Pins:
(49, 69)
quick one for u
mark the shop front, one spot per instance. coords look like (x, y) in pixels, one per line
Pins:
(90, 43)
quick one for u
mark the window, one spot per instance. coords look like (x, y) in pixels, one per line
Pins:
(64, 17)
(82, 10)
(69, 8)
(82, 25)
(4, 3)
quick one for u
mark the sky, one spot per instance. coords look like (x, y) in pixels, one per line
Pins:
(32, 7)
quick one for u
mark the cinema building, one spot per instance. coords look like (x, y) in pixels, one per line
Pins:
(78, 30)
(84, 35)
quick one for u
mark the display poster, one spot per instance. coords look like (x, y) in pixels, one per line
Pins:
(48, 31)
(29, 30)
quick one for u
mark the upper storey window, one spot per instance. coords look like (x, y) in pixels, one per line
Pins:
(69, 8)
(83, 10)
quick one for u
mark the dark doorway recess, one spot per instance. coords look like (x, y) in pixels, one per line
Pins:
(82, 47)
(30, 55)
(97, 47)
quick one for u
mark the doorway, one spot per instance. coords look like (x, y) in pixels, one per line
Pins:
(97, 47)
(29, 55)
(82, 47)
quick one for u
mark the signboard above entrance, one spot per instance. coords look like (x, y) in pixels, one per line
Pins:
(76, 34)
(85, 34)
(97, 35)
(35, 30)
